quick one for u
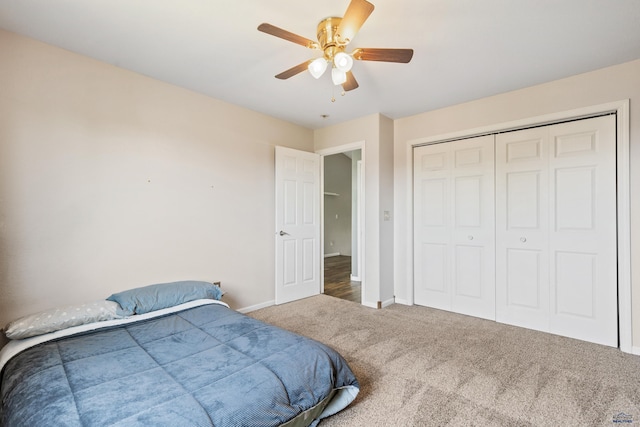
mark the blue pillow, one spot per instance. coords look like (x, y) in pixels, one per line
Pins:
(155, 297)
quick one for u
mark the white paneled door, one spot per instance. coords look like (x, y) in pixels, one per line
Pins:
(522, 224)
(297, 191)
(454, 226)
(556, 235)
(541, 251)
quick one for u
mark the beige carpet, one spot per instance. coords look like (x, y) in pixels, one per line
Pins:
(423, 367)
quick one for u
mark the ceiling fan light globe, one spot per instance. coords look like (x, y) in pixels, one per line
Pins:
(338, 77)
(343, 62)
(317, 67)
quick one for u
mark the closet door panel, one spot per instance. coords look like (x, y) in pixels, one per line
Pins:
(473, 232)
(432, 222)
(523, 200)
(556, 229)
(434, 200)
(575, 284)
(454, 215)
(434, 264)
(522, 267)
(582, 235)
(468, 271)
(525, 279)
(468, 206)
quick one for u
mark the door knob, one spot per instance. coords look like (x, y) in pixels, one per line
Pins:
(283, 233)
(523, 239)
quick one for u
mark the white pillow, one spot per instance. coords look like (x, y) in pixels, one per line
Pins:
(61, 318)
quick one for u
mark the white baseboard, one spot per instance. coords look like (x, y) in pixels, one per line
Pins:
(378, 304)
(332, 254)
(388, 302)
(355, 278)
(256, 307)
(402, 301)
(635, 350)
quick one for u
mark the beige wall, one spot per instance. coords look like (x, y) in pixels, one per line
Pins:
(579, 92)
(386, 205)
(111, 180)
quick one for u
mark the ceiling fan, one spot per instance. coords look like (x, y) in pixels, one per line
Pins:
(334, 34)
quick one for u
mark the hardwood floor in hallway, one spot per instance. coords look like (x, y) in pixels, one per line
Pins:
(337, 279)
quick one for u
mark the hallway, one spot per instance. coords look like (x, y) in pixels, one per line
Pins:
(337, 279)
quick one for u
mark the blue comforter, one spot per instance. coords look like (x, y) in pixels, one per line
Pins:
(205, 366)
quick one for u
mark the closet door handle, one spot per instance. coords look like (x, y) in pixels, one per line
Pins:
(283, 233)
(523, 239)
(470, 237)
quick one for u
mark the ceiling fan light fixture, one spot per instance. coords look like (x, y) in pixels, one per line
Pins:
(317, 67)
(343, 61)
(338, 77)
(334, 34)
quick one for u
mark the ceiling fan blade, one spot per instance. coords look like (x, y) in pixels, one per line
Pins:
(357, 12)
(287, 35)
(294, 70)
(351, 82)
(385, 55)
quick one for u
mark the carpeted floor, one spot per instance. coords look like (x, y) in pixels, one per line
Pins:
(424, 367)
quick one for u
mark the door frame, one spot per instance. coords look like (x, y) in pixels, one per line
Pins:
(361, 203)
(621, 109)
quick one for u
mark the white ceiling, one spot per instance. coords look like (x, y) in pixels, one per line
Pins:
(464, 49)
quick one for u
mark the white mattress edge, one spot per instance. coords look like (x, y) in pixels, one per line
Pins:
(14, 347)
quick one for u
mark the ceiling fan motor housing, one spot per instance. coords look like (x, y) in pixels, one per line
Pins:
(327, 37)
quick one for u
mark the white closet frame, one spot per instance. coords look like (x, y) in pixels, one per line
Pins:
(621, 109)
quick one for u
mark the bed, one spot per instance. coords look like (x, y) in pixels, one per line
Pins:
(193, 363)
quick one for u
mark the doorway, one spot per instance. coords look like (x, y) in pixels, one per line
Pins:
(342, 228)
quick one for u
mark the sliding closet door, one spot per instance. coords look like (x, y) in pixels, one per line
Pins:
(454, 226)
(556, 268)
